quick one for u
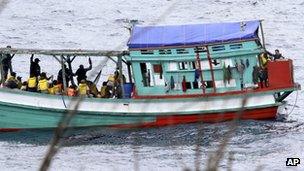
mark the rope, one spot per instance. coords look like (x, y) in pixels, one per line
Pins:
(294, 103)
(63, 101)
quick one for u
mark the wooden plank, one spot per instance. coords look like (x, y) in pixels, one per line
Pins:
(71, 52)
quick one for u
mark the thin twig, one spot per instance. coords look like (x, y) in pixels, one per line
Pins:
(198, 147)
(230, 161)
(59, 132)
(63, 125)
(214, 160)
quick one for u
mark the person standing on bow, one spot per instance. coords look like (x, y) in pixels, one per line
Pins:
(81, 72)
(7, 63)
(35, 67)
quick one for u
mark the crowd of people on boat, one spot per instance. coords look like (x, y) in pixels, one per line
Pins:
(42, 83)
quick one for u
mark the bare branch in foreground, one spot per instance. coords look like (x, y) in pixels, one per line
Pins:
(59, 132)
(214, 160)
(74, 105)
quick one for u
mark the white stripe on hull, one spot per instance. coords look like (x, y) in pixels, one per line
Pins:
(152, 106)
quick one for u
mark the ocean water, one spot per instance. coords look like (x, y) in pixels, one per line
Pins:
(99, 24)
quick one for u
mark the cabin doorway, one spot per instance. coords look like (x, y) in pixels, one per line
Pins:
(145, 76)
(152, 74)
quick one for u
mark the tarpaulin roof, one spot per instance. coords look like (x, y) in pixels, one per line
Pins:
(177, 35)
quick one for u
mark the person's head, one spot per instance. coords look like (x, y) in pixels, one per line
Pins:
(24, 83)
(43, 75)
(55, 82)
(13, 74)
(104, 83)
(277, 51)
(37, 60)
(83, 81)
(51, 85)
(19, 78)
(81, 66)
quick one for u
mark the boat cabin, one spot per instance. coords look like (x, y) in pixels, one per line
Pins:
(194, 59)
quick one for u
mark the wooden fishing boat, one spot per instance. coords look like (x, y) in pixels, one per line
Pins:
(177, 74)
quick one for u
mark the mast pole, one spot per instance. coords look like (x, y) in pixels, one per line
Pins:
(2, 72)
(200, 69)
(263, 36)
(129, 72)
(211, 69)
(63, 74)
(119, 65)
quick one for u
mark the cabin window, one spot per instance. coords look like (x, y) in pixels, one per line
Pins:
(193, 66)
(205, 65)
(218, 48)
(182, 51)
(183, 65)
(152, 74)
(195, 85)
(158, 77)
(172, 66)
(209, 84)
(157, 68)
(146, 72)
(147, 52)
(186, 65)
(165, 52)
(200, 49)
(216, 63)
(236, 46)
(227, 62)
(221, 84)
(188, 85)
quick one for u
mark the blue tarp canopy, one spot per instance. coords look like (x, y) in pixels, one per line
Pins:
(178, 35)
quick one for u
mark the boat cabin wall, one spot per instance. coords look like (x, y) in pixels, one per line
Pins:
(162, 71)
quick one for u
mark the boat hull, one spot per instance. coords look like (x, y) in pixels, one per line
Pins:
(131, 122)
(251, 114)
(24, 110)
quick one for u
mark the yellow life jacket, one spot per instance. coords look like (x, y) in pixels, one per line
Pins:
(43, 85)
(82, 89)
(11, 78)
(103, 91)
(111, 78)
(51, 90)
(264, 60)
(57, 89)
(32, 82)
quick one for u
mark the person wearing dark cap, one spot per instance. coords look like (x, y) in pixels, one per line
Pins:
(35, 67)
(68, 75)
(7, 63)
(276, 55)
(81, 72)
